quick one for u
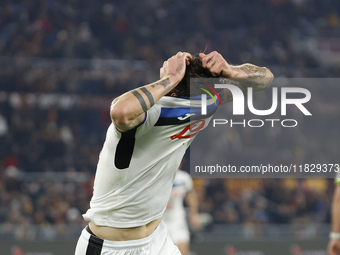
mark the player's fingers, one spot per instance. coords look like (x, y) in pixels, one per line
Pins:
(186, 55)
(215, 65)
(161, 72)
(165, 66)
(174, 56)
(211, 54)
(179, 54)
(207, 58)
(211, 63)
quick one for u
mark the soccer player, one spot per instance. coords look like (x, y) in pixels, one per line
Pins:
(151, 129)
(334, 242)
(175, 215)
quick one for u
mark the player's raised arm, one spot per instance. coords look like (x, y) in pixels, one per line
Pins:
(128, 110)
(245, 75)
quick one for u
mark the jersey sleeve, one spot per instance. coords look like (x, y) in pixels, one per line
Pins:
(152, 115)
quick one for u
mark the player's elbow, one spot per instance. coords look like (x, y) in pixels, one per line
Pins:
(269, 77)
(119, 115)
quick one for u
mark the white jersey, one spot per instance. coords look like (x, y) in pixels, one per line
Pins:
(175, 209)
(136, 168)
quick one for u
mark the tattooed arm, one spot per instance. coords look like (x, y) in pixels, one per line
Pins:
(250, 75)
(246, 75)
(128, 110)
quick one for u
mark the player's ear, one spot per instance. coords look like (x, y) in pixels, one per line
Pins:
(173, 94)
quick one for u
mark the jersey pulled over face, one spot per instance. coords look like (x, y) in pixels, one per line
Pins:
(136, 168)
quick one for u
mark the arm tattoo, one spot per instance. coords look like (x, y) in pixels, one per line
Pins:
(179, 68)
(140, 99)
(253, 71)
(165, 83)
(149, 96)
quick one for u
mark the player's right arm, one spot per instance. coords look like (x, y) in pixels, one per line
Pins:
(128, 110)
(334, 242)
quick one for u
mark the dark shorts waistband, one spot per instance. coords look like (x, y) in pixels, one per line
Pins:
(89, 230)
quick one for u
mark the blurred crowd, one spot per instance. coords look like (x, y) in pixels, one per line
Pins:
(62, 62)
(264, 32)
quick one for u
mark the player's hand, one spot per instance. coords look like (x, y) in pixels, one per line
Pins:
(334, 247)
(216, 64)
(175, 66)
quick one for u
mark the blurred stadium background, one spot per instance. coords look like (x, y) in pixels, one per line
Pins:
(63, 61)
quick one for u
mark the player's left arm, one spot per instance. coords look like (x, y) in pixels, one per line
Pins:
(243, 76)
(334, 242)
(191, 199)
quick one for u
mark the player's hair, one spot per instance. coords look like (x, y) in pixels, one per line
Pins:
(194, 70)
